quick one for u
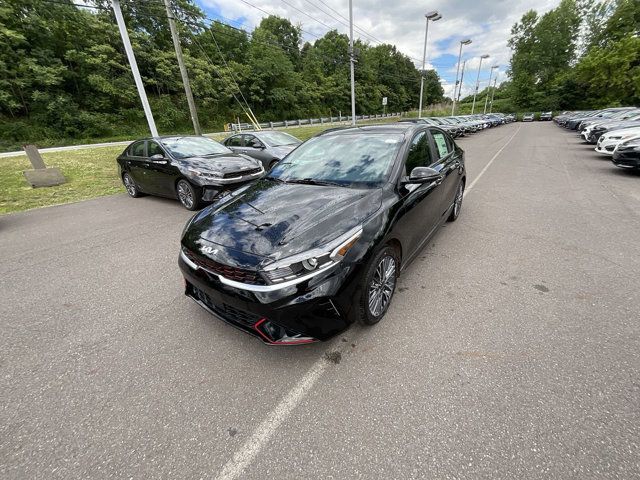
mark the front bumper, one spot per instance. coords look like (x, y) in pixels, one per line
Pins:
(314, 310)
(626, 160)
(606, 147)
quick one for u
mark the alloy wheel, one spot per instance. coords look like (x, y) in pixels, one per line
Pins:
(458, 203)
(382, 286)
(185, 194)
(129, 185)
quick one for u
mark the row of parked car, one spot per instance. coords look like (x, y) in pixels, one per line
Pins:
(543, 116)
(197, 170)
(461, 125)
(615, 132)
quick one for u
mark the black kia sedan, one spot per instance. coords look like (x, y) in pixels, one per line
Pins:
(191, 168)
(319, 242)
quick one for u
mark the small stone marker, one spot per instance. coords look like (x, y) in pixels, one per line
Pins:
(41, 176)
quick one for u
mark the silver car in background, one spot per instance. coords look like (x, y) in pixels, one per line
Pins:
(268, 146)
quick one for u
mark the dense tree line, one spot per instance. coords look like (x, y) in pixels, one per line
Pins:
(582, 54)
(64, 73)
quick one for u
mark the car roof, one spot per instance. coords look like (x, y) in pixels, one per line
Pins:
(400, 127)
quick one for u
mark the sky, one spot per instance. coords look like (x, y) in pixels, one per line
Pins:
(402, 23)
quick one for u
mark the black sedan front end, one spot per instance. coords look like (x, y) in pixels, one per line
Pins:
(285, 282)
(627, 155)
(302, 310)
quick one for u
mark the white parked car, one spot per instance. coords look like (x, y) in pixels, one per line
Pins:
(609, 141)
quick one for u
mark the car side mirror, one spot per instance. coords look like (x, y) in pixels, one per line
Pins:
(158, 158)
(257, 144)
(422, 175)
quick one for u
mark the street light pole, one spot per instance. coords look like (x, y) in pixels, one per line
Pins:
(473, 105)
(351, 61)
(434, 17)
(455, 86)
(493, 92)
(464, 64)
(134, 67)
(486, 99)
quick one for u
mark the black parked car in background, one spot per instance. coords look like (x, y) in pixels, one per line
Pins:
(319, 243)
(627, 154)
(192, 169)
(268, 146)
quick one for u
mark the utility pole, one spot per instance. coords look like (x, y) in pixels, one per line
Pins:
(351, 62)
(473, 105)
(464, 64)
(183, 69)
(493, 92)
(134, 67)
(434, 17)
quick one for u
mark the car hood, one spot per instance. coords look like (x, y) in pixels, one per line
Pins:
(623, 131)
(223, 163)
(276, 220)
(617, 125)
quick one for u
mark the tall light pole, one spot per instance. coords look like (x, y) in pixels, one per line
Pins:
(434, 17)
(464, 64)
(486, 99)
(134, 67)
(466, 41)
(493, 92)
(473, 105)
(351, 62)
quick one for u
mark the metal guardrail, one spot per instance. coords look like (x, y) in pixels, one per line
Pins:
(310, 121)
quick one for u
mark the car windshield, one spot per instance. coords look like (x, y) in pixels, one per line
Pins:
(358, 160)
(186, 147)
(278, 139)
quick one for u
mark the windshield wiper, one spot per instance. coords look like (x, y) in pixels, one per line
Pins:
(275, 179)
(311, 181)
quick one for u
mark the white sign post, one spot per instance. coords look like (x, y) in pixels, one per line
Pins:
(384, 105)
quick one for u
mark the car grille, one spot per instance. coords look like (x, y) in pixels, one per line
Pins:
(232, 273)
(242, 173)
(227, 312)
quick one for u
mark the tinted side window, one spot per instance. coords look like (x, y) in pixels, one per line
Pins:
(137, 149)
(249, 140)
(419, 152)
(443, 147)
(154, 149)
(234, 141)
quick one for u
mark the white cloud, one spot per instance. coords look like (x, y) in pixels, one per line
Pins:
(488, 23)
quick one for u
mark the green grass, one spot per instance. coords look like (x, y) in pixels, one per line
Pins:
(90, 172)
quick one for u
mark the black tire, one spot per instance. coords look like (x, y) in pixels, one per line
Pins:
(457, 203)
(130, 186)
(371, 285)
(188, 196)
(273, 163)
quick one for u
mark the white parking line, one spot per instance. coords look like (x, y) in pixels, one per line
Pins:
(243, 457)
(491, 161)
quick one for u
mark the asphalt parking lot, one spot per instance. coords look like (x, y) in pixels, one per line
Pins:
(511, 349)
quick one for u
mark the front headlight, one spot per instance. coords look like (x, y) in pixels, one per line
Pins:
(204, 175)
(315, 260)
(632, 143)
